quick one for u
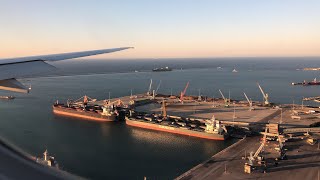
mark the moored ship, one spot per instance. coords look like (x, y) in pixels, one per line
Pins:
(210, 129)
(83, 110)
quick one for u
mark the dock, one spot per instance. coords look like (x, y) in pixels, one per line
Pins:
(303, 160)
(289, 132)
(303, 163)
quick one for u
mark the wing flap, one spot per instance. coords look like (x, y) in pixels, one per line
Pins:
(13, 85)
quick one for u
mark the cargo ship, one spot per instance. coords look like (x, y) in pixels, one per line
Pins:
(161, 69)
(311, 83)
(210, 129)
(82, 109)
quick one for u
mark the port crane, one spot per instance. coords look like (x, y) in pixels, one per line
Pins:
(265, 95)
(183, 92)
(158, 87)
(84, 100)
(150, 86)
(249, 101)
(254, 156)
(117, 103)
(226, 101)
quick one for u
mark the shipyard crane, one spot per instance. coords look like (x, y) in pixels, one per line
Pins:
(265, 95)
(150, 86)
(249, 101)
(118, 103)
(183, 92)
(226, 101)
(158, 87)
(84, 100)
(259, 150)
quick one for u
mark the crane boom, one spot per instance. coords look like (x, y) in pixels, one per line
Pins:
(249, 101)
(265, 96)
(185, 89)
(262, 144)
(184, 92)
(158, 87)
(226, 101)
(222, 95)
(150, 86)
(247, 98)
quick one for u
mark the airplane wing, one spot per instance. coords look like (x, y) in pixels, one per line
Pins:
(13, 68)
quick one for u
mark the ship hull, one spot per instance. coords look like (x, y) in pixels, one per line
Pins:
(86, 115)
(169, 129)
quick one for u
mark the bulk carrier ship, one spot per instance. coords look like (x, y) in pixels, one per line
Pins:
(206, 129)
(305, 83)
(211, 130)
(81, 109)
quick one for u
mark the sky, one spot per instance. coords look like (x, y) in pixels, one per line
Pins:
(162, 28)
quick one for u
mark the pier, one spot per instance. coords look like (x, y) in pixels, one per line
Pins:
(302, 158)
(282, 138)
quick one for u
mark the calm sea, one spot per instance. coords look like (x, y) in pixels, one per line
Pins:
(115, 151)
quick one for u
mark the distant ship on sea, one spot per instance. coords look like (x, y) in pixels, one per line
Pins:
(312, 69)
(161, 69)
(234, 70)
(305, 83)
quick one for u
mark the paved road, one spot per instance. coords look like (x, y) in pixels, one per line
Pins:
(216, 165)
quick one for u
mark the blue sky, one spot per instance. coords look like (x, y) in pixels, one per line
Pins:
(166, 28)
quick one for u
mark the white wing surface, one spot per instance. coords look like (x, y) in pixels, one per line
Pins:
(13, 68)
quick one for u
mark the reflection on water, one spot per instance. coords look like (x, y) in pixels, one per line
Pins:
(160, 138)
(105, 129)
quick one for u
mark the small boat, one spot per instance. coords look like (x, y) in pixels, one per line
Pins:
(234, 70)
(47, 160)
(7, 97)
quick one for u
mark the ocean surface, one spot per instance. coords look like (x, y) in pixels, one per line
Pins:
(113, 150)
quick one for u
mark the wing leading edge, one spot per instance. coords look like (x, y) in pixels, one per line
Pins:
(13, 68)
